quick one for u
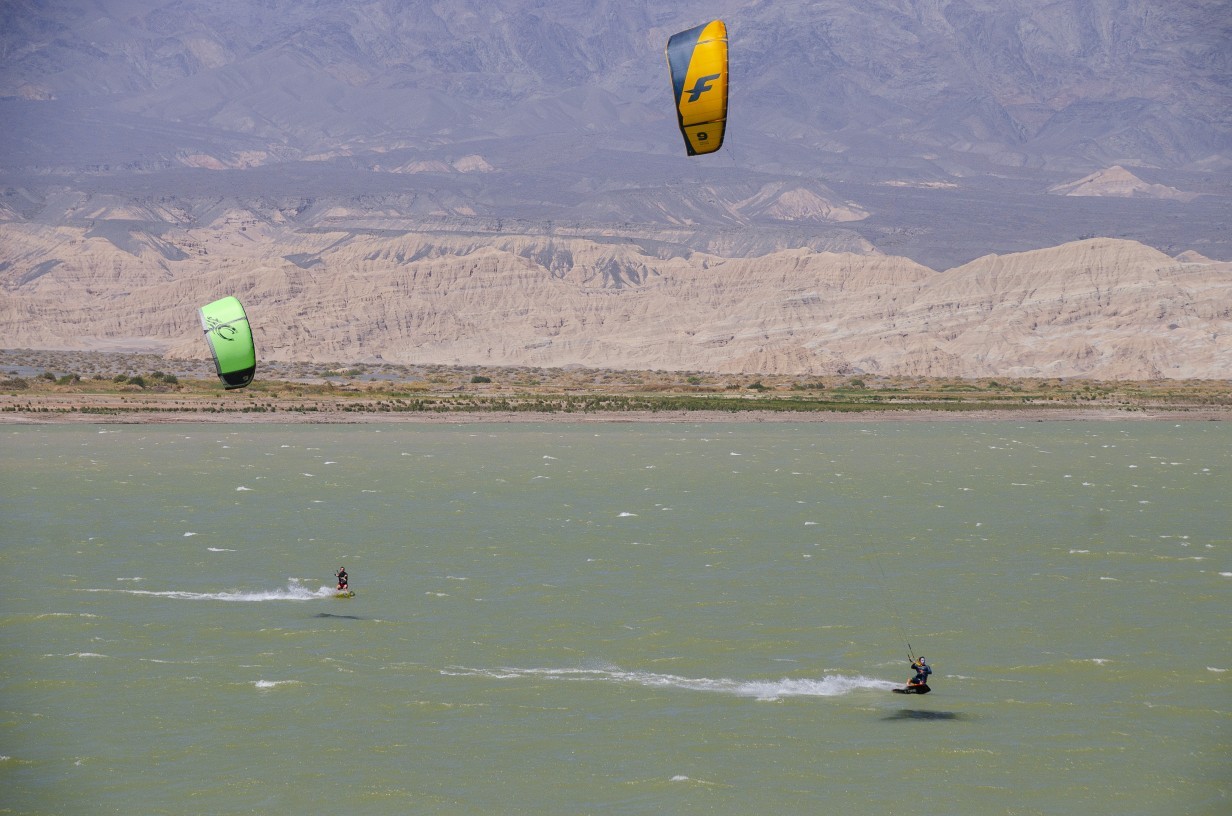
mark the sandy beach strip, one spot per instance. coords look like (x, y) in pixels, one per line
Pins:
(78, 409)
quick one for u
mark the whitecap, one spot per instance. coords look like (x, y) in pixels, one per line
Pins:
(241, 487)
(189, 535)
(625, 515)
(218, 549)
(269, 684)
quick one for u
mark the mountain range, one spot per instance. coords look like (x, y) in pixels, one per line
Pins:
(912, 134)
(1097, 308)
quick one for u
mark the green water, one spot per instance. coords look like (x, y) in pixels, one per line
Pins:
(616, 619)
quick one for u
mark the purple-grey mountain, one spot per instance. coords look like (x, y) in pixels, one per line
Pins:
(933, 130)
(945, 121)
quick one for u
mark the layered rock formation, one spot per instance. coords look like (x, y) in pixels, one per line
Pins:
(1099, 308)
(1117, 182)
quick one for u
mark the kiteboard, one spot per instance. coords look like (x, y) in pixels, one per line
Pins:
(350, 593)
(922, 689)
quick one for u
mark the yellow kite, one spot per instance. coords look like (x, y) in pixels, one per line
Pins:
(697, 59)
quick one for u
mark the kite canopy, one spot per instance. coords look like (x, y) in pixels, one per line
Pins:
(230, 339)
(697, 59)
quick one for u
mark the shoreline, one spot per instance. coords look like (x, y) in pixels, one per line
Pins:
(64, 414)
(110, 389)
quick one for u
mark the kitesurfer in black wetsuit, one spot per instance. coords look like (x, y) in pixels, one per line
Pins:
(342, 579)
(922, 670)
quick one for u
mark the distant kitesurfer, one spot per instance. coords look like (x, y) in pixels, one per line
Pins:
(922, 670)
(341, 574)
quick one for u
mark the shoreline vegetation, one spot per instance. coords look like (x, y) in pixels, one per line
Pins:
(53, 387)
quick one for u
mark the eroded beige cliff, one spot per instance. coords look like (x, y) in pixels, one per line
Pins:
(1101, 308)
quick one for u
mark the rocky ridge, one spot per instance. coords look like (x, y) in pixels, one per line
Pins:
(1117, 182)
(1096, 308)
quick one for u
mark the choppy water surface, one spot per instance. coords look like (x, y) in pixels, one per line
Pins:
(624, 619)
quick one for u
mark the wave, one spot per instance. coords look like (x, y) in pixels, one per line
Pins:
(768, 690)
(292, 592)
(269, 684)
